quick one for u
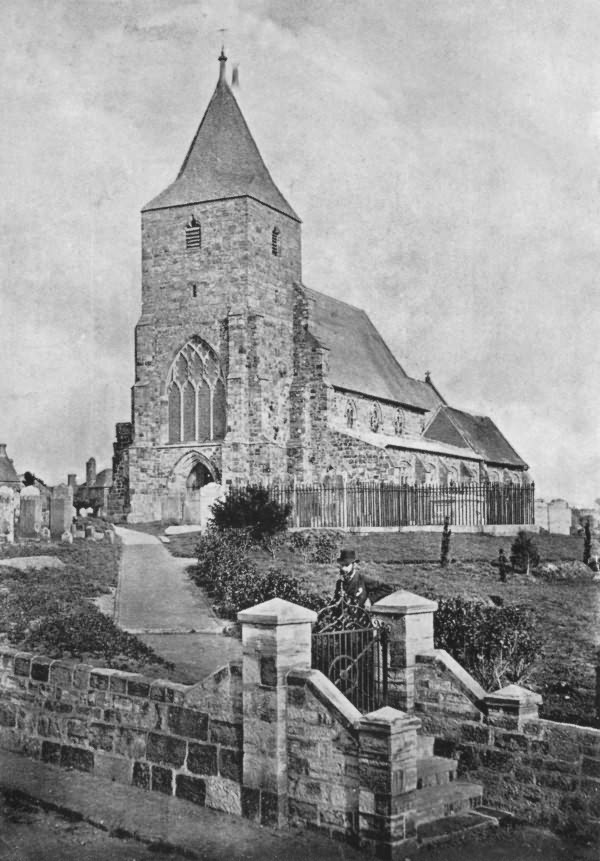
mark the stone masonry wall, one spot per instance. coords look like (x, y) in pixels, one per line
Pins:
(323, 755)
(176, 739)
(545, 772)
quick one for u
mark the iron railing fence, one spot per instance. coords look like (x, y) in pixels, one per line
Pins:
(381, 504)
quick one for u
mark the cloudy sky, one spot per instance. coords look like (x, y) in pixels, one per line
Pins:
(444, 157)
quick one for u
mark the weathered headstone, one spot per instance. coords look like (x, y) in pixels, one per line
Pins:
(89, 532)
(30, 519)
(61, 508)
(7, 515)
(45, 533)
(67, 537)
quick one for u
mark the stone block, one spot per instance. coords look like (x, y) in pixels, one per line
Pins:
(141, 775)
(187, 722)
(8, 715)
(563, 742)
(250, 799)
(270, 809)
(138, 687)
(101, 736)
(164, 750)
(61, 674)
(77, 729)
(302, 811)
(223, 794)
(111, 767)
(50, 752)
(99, 680)
(230, 764)
(590, 767)
(190, 789)
(202, 759)
(22, 664)
(130, 742)
(76, 757)
(40, 669)
(510, 740)
(118, 684)
(162, 780)
(81, 676)
(229, 734)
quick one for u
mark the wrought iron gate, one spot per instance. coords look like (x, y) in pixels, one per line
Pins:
(351, 650)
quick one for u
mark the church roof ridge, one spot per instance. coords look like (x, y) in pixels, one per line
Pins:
(222, 161)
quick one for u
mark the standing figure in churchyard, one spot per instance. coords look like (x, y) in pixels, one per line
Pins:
(351, 583)
(503, 565)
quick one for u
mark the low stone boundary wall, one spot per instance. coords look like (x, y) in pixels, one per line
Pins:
(176, 739)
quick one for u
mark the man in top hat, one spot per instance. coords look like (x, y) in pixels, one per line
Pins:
(351, 584)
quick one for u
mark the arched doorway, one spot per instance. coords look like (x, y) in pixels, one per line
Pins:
(198, 477)
(192, 487)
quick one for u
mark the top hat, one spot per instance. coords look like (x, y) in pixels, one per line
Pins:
(347, 557)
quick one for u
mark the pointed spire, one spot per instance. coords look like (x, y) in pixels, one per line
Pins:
(222, 63)
(223, 160)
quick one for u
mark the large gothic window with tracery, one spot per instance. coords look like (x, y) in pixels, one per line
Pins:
(196, 395)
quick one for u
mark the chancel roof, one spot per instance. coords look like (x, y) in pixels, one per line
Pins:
(223, 161)
(359, 359)
(455, 427)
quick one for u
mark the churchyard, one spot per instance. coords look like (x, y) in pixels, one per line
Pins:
(565, 597)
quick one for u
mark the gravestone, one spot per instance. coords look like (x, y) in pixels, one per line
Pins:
(61, 508)
(30, 518)
(7, 515)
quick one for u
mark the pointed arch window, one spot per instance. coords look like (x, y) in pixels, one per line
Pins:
(197, 400)
(276, 242)
(193, 234)
(350, 413)
(375, 419)
(399, 422)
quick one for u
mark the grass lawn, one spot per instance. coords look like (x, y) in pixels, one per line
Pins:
(49, 611)
(567, 612)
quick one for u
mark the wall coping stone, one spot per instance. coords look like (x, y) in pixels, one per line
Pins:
(277, 611)
(389, 720)
(327, 693)
(513, 695)
(470, 687)
(404, 603)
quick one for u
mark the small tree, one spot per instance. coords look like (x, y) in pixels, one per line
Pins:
(252, 510)
(446, 533)
(587, 541)
(524, 553)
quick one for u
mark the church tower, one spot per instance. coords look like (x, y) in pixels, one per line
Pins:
(221, 253)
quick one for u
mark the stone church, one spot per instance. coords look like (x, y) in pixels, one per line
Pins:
(244, 374)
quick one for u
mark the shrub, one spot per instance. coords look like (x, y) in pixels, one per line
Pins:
(252, 510)
(325, 549)
(84, 630)
(524, 553)
(497, 645)
(234, 582)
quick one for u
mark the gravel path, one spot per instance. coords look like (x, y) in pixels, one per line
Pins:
(154, 595)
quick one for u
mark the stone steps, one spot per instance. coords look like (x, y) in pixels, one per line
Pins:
(435, 771)
(424, 745)
(440, 830)
(446, 800)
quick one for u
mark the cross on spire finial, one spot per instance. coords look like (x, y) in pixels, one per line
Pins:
(222, 58)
